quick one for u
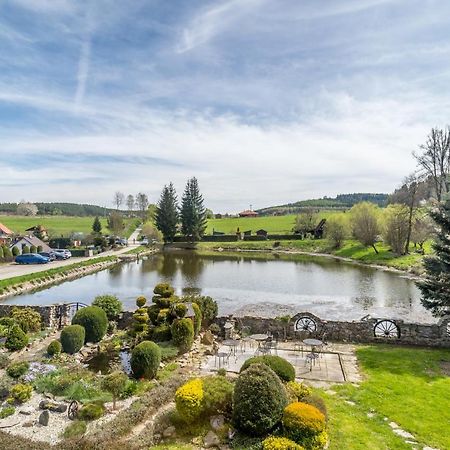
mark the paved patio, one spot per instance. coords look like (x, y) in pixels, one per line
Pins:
(327, 368)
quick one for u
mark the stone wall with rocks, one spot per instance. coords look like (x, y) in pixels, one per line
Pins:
(305, 324)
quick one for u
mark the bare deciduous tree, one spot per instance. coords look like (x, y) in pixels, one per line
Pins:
(142, 203)
(27, 209)
(118, 199)
(422, 229)
(365, 223)
(435, 159)
(130, 202)
(336, 230)
(396, 227)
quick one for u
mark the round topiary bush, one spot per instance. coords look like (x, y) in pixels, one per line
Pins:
(280, 443)
(110, 304)
(197, 319)
(163, 290)
(153, 312)
(16, 339)
(161, 333)
(180, 310)
(25, 250)
(145, 359)
(15, 252)
(259, 400)
(54, 348)
(33, 249)
(304, 424)
(141, 301)
(94, 320)
(284, 369)
(72, 338)
(183, 334)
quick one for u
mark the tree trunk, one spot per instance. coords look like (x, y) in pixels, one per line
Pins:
(376, 251)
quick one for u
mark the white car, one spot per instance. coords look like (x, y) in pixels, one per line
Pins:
(62, 253)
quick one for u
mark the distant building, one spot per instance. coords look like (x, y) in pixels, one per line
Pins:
(248, 213)
(261, 233)
(5, 235)
(29, 241)
(39, 231)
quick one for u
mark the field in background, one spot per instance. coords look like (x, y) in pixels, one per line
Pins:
(272, 224)
(58, 225)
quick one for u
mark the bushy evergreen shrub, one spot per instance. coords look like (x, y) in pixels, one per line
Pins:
(141, 301)
(72, 338)
(217, 395)
(297, 391)
(110, 304)
(280, 443)
(153, 312)
(21, 392)
(91, 411)
(54, 348)
(25, 249)
(188, 400)
(27, 318)
(208, 307)
(183, 334)
(16, 338)
(180, 310)
(140, 317)
(17, 369)
(145, 359)
(197, 319)
(161, 333)
(259, 400)
(93, 319)
(283, 368)
(33, 249)
(15, 252)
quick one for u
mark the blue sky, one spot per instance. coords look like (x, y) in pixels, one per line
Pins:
(265, 101)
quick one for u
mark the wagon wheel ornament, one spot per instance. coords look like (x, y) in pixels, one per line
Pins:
(72, 411)
(386, 329)
(305, 324)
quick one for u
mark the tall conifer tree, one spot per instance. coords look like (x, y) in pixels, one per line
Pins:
(193, 212)
(435, 287)
(166, 214)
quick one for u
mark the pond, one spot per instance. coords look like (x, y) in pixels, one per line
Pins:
(263, 284)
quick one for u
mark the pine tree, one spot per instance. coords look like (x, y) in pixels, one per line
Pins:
(166, 214)
(436, 286)
(193, 212)
(97, 226)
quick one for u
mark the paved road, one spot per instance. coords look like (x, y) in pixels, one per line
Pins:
(14, 270)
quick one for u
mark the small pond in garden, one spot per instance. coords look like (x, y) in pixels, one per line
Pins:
(253, 283)
(107, 362)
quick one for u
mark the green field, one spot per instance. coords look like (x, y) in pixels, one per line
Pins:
(56, 225)
(272, 224)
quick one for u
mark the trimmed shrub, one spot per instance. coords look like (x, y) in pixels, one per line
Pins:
(33, 249)
(18, 369)
(141, 301)
(54, 348)
(318, 402)
(91, 411)
(297, 391)
(208, 307)
(284, 369)
(304, 424)
(183, 334)
(280, 443)
(21, 392)
(164, 290)
(153, 312)
(7, 322)
(259, 400)
(75, 429)
(15, 252)
(197, 319)
(217, 395)
(163, 315)
(72, 338)
(93, 319)
(27, 318)
(39, 248)
(180, 310)
(161, 333)
(145, 359)
(7, 411)
(188, 400)
(16, 338)
(110, 304)
(25, 249)
(115, 384)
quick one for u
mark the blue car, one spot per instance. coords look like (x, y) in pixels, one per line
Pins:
(31, 258)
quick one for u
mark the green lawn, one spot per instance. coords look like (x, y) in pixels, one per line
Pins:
(405, 385)
(56, 225)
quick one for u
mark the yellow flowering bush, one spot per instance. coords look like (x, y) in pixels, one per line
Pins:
(188, 400)
(304, 424)
(297, 391)
(280, 443)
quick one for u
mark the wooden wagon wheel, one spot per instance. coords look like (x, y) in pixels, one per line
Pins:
(386, 329)
(305, 324)
(72, 411)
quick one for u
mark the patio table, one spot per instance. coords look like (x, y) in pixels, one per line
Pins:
(313, 343)
(232, 343)
(260, 339)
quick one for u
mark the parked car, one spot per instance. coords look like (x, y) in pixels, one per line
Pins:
(62, 253)
(31, 258)
(50, 255)
(144, 241)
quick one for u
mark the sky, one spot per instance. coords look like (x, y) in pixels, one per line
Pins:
(264, 101)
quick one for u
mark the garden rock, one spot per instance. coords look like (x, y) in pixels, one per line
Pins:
(44, 418)
(217, 422)
(27, 410)
(52, 406)
(208, 338)
(169, 432)
(211, 440)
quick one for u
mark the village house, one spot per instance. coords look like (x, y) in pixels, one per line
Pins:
(30, 241)
(248, 213)
(5, 235)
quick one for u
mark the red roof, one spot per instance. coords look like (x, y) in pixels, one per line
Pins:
(248, 212)
(4, 229)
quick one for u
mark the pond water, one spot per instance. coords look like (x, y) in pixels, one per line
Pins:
(268, 285)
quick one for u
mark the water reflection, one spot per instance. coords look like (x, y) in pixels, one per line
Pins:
(326, 287)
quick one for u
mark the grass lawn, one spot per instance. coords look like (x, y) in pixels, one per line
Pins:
(406, 385)
(58, 225)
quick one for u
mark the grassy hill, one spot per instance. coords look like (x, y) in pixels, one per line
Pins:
(57, 225)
